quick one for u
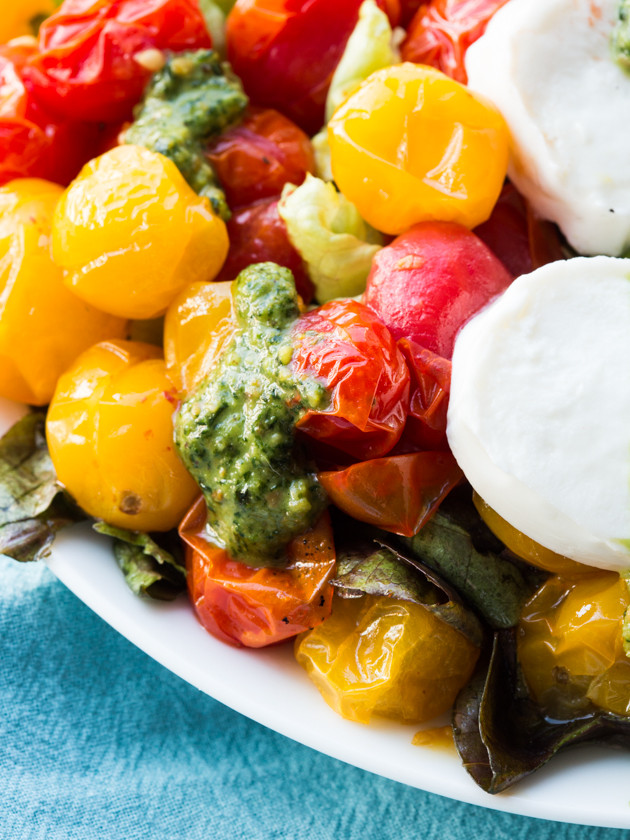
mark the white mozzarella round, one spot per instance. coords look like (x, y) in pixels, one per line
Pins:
(549, 68)
(539, 414)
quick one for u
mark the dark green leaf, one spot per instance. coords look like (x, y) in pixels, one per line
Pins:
(457, 545)
(33, 505)
(500, 732)
(150, 567)
(366, 566)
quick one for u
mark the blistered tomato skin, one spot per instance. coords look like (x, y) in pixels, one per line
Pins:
(110, 435)
(377, 655)
(253, 607)
(43, 326)
(412, 145)
(431, 280)
(570, 645)
(130, 234)
(197, 326)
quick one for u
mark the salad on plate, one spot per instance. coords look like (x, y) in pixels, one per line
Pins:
(318, 311)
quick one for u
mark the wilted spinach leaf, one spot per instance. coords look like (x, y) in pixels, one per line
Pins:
(366, 566)
(151, 568)
(458, 545)
(502, 735)
(33, 504)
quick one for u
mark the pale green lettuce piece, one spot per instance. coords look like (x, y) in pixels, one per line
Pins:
(215, 13)
(371, 47)
(326, 229)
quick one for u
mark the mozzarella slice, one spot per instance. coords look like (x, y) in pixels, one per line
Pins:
(548, 67)
(539, 414)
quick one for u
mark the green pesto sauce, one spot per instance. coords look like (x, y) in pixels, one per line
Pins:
(621, 36)
(193, 98)
(235, 433)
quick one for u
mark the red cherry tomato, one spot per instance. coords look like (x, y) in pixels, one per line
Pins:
(520, 239)
(348, 348)
(258, 234)
(87, 67)
(442, 30)
(398, 493)
(286, 51)
(32, 142)
(428, 404)
(256, 607)
(430, 280)
(257, 158)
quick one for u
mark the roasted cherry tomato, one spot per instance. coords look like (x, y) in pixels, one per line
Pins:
(431, 280)
(570, 645)
(257, 607)
(130, 234)
(197, 325)
(33, 143)
(257, 158)
(258, 234)
(377, 655)
(398, 493)
(349, 349)
(411, 145)
(43, 326)
(442, 30)
(110, 435)
(286, 51)
(519, 238)
(527, 548)
(428, 404)
(96, 56)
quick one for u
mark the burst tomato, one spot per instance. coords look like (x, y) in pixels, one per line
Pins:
(257, 607)
(255, 159)
(348, 348)
(90, 65)
(442, 30)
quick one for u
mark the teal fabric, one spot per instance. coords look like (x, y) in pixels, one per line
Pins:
(99, 741)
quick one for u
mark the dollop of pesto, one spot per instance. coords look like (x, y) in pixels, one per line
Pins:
(621, 36)
(194, 97)
(235, 433)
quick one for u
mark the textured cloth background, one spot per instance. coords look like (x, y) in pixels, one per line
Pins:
(97, 741)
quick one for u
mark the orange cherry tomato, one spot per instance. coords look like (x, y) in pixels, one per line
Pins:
(257, 607)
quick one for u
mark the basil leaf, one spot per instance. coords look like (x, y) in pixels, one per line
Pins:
(457, 545)
(368, 566)
(150, 568)
(33, 504)
(502, 735)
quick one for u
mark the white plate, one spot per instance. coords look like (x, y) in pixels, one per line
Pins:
(589, 785)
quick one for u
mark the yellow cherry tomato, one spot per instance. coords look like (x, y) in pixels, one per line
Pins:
(570, 644)
(528, 549)
(412, 145)
(21, 17)
(110, 435)
(43, 326)
(130, 233)
(197, 325)
(382, 656)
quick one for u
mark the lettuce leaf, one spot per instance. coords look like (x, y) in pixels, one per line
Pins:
(330, 236)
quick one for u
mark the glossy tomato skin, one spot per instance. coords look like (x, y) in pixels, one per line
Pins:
(258, 234)
(33, 143)
(429, 281)
(86, 68)
(242, 605)
(347, 347)
(286, 51)
(442, 30)
(425, 428)
(254, 160)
